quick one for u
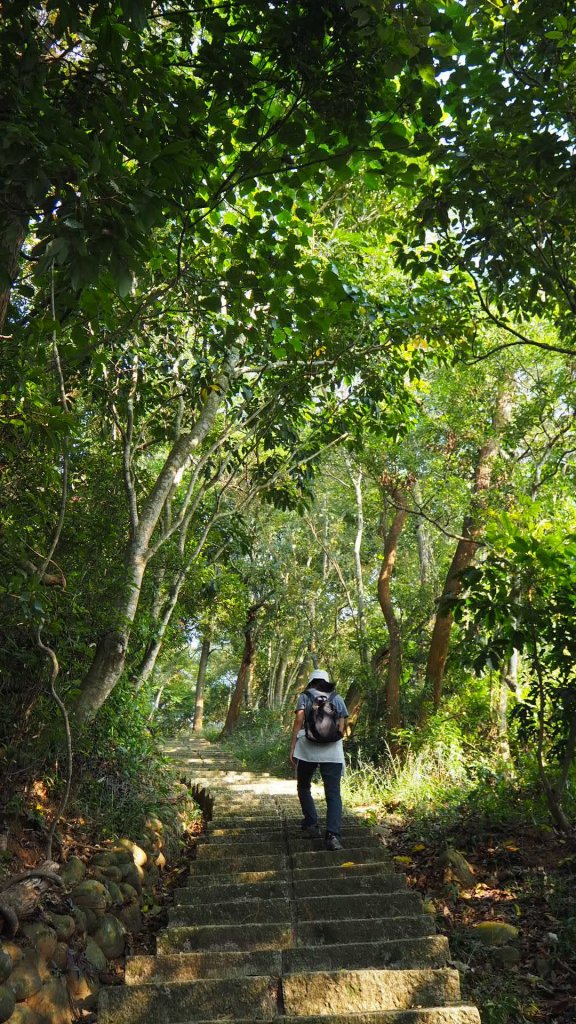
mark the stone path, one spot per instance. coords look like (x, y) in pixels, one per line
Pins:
(271, 925)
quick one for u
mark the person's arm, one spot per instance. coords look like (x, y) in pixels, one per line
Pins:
(341, 726)
(298, 724)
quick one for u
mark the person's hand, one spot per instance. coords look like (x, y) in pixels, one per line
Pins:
(292, 759)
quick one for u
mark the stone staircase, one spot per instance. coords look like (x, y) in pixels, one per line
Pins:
(272, 926)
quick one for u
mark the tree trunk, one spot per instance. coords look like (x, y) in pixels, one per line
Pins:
(425, 554)
(465, 550)
(279, 681)
(361, 617)
(12, 234)
(201, 678)
(394, 669)
(110, 656)
(244, 672)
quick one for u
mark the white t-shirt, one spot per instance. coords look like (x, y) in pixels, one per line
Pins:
(320, 753)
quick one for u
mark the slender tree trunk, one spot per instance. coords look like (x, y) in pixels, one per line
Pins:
(425, 554)
(360, 602)
(12, 234)
(244, 672)
(465, 550)
(201, 679)
(499, 708)
(110, 656)
(394, 669)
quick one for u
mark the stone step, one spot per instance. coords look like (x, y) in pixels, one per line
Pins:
(304, 844)
(419, 1015)
(178, 967)
(212, 999)
(371, 929)
(260, 821)
(319, 858)
(333, 992)
(240, 912)
(239, 836)
(232, 892)
(346, 869)
(318, 908)
(348, 885)
(238, 863)
(203, 881)
(223, 851)
(225, 937)
(431, 951)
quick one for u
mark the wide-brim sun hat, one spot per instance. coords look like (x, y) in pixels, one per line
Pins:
(319, 673)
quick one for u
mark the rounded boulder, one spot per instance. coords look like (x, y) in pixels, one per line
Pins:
(110, 936)
(7, 1002)
(91, 895)
(24, 981)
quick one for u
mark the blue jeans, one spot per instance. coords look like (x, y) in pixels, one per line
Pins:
(331, 772)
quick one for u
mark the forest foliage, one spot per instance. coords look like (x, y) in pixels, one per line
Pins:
(288, 379)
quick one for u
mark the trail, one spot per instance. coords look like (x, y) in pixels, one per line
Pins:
(272, 927)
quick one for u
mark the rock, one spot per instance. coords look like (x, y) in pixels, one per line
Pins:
(80, 919)
(91, 895)
(133, 875)
(507, 956)
(60, 957)
(139, 856)
(131, 918)
(14, 951)
(115, 892)
(113, 873)
(6, 965)
(83, 990)
(73, 871)
(103, 859)
(95, 956)
(494, 933)
(128, 890)
(91, 921)
(24, 981)
(64, 925)
(51, 1003)
(42, 936)
(110, 936)
(459, 867)
(120, 855)
(7, 1002)
(23, 1014)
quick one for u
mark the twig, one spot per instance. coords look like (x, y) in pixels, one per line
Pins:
(53, 675)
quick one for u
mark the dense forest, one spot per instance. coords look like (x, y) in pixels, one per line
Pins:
(288, 379)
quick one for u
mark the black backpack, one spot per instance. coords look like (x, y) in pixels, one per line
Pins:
(321, 717)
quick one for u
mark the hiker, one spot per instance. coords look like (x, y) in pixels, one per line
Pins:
(317, 743)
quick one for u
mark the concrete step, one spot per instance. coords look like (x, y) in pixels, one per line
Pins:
(348, 885)
(319, 858)
(345, 869)
(178, 967)
(239, 862)
(240, 912)
(245, 822)
(255, 998)
(330, 933)
(334, 992)
(202, 881)
(194, 894)
(223, 851)
(318, 908)
(239, 836)
(304, 844)
(431, 951)
(420, 1015)
(224, 937)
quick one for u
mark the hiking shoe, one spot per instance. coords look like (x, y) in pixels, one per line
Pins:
(333, 843)
(312, 831)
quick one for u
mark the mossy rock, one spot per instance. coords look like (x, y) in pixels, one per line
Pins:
(6, 965)
(91, 895)
(132, 874)
(42, 936)
(120, 855)
(494, 933)
(113, 873)
(94, 956)
(15, 952)
(24, 1014)
(64, 925)
(60, 957)
(102, 859)
(128, 891)
(91, 920)
(139, 856)
(24, 981)
(83, 990)
(506, 956)
(7, 1002)
(110, 936)
(73, 871)
(115, 892)
(51, 1003)
(131, 918)
(80, 919)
